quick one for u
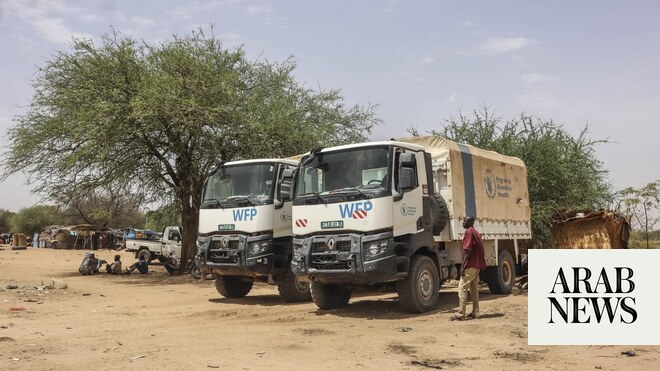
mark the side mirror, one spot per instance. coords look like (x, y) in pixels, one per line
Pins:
(285, 185)
(406, 179)
(406, 160)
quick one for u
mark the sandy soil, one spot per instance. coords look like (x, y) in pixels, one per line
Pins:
(64, 321)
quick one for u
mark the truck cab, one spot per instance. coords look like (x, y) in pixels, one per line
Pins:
(245, 228)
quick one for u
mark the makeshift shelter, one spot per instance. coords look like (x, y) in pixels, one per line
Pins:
(84, 236)
(601, 229)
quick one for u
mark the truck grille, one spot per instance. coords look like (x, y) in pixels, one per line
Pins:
(221, 254)
(323, 247)
(325, 257)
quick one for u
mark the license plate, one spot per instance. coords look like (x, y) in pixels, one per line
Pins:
(332, 224)
(226, 227)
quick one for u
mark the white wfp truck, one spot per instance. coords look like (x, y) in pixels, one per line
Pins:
(245, 228)
(151, 249)
(392, 212)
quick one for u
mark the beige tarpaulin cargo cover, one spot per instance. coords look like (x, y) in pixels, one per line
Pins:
(484, 184)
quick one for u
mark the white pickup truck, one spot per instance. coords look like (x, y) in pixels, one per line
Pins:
(150, 249)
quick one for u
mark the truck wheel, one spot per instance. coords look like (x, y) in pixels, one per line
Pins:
(500, 279)
(232, 287)
(439, 213)
(292, 290)
(330, 296)
(146, 253)
(418, 292)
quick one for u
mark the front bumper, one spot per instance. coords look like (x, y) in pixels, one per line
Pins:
(229, 255)
(344, 259)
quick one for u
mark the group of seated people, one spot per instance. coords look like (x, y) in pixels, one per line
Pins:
(92, 265)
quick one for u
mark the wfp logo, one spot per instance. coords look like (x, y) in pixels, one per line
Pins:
(355, 210)
(246, 214)
(489, 184)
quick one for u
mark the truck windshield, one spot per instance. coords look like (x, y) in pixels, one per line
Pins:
(240, 185)
(361, 170)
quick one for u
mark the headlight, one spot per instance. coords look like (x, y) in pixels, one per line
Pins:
(202, 243)
(255, 248)
(297, 251)
(374, 248)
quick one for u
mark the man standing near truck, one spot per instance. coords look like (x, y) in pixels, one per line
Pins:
(473, 263)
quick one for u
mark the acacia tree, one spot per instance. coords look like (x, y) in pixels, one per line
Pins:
(641, 206)
(563, 170)
(110, 206)
(5, 220)
(157, 117)
(34, 219)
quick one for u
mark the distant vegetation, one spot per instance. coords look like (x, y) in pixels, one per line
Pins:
(563, 169)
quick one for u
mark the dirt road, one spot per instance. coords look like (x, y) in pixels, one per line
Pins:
(52, 318)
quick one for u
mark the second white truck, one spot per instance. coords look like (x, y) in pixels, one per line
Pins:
(245, 228)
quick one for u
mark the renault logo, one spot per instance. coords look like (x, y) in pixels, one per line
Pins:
(331, 244)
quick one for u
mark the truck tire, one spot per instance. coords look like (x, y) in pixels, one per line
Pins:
(418, 292)
(146, 253)
(232, 287)
(439, 213)
(292, 290)
(330, 296)
(500, 279)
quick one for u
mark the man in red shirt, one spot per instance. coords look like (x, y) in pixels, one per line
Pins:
(473, 263)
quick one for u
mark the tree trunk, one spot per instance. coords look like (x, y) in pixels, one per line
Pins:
(190, 223)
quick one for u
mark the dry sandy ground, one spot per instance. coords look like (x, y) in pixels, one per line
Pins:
(157, 322)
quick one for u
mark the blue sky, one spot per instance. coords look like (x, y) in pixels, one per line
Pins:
(576, 62)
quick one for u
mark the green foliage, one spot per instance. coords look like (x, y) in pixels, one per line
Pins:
(638, 240)
(5, 220)
(641, 206)
(563, 170)
(33, 219)
(104, 207)
(156, 117)
(157, 220)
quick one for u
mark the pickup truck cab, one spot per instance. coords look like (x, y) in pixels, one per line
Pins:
(151, 249)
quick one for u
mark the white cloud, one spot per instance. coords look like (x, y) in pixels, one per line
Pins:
(54, 29)
(255, 9)
(537, 78)
(499, 45)
(47, 18)
(188, 10)
(452, 98)
(278, 22)
(427, 60)
(144, 22)
(231, 40)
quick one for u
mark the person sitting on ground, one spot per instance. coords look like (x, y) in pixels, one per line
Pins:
(115, 267)
(90, 264)
(172, 264)
(141, 265)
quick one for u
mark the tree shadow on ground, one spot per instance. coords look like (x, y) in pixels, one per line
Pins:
(260, 300)
(389, 308)
(156, 279)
